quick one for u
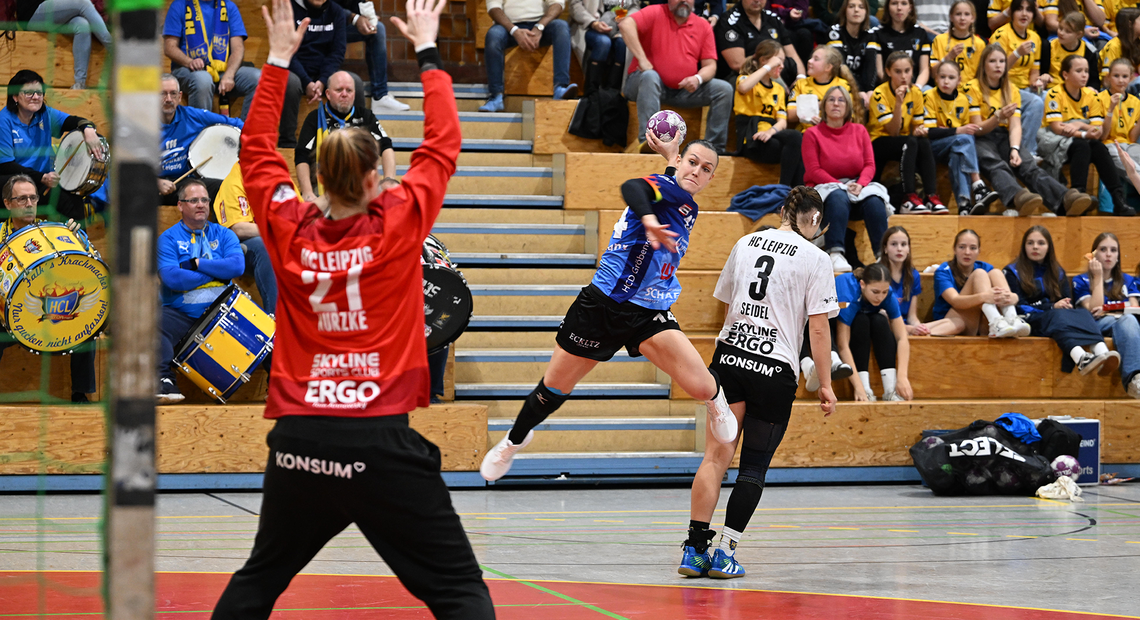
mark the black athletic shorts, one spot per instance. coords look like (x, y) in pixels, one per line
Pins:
(596, 326)
(767, 386)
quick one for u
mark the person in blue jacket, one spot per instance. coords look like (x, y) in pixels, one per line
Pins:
(967, 290)
(180, 125)
(871, 320)
(196, 260)
(1046, 299)
(1105, 290)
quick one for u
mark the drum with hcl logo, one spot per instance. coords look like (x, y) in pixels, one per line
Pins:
(226, 344)
(80, 171)
(55, 288)
(448, 303)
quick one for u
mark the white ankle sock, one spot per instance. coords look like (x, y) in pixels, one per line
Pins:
(890, 379)
(1077, 353)
(729, 538)
(807, 365)
(865, 377)
(835, 359)
(1010, 313)
(991, 313)
(1100, 348)
(977, 183)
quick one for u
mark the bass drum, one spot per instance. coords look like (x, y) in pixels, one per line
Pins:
(448, 303)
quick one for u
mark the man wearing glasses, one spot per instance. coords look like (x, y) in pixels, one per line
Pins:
(27, 127)
(196, 261)
(21, 199)
(180, 125)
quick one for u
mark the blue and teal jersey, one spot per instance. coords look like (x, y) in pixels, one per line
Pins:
(630, 269)
(915, 291)
(30, 145)
(944, 279)
(848, 291)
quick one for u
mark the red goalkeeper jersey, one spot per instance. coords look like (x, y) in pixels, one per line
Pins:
(350, 308)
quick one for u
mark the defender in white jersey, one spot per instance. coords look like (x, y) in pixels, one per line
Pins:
(775, 282)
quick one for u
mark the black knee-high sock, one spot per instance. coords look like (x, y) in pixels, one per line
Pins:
(699, 536)
(742, 503)
(538, 405)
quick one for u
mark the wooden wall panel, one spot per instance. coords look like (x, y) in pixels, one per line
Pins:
(1120, 428)
(52, 60)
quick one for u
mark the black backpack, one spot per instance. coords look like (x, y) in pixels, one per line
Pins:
(602, 115)
(1057, 439)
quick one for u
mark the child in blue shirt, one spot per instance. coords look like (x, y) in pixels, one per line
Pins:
(871, 320)
(1106, 284)
(966, 290)
(906, 282)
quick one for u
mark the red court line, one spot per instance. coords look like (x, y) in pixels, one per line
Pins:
(75, 596)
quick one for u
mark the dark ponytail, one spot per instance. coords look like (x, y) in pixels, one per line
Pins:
(802, 200)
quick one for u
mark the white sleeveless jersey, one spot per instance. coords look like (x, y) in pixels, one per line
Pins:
(772, 282)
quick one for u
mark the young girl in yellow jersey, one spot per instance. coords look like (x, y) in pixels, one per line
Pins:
(761, 115)
(1121, 116)
(995, 106)
(1069, 42)
(1126, 44)
(952, 140)
(898, 133)
(825, 69)
(1023, 57)
(1073, 126)
(1096, 17)
(959, 44)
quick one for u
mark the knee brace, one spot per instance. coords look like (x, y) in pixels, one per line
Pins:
(544, 401)
(753, 467)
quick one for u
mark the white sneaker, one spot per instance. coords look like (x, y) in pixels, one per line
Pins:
(811, 379)
(1022, 327)
(871, 397)
(1090, 362)
(388, 103)
(498, 460)
(1011, 213)
(892, 397)
(1002, 329)
(839, 263)
(1134, 386)
(1111, 363)
(724, 424)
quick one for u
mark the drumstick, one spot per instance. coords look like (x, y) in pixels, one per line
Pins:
(179, 179)
(73, 154)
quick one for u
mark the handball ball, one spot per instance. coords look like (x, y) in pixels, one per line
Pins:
(667, 125)
(932, 442)
(1066, 465)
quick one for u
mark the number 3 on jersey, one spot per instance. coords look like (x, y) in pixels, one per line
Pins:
(759, 289)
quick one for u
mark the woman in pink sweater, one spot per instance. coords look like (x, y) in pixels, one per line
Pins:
(839, 163)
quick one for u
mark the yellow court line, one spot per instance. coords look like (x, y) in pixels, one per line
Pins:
(1132, 542)
(905, 531)
(962, 533)
(1083, 539)
(537, 519)
(1052, 501)
(1016, 536)
(843, 528)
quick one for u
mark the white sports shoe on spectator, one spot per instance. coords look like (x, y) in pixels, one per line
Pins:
(811, 377)
(388, 103)
(724, 424)
(1134, 386)
(1022, 327)
(839, 263)
(1002, 329)
(892, 397)
(498, 460)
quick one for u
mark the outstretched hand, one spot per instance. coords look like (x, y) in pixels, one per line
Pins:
(422, 25)
(284, 36)
(659, 234)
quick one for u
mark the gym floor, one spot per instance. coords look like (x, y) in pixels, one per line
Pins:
(811, 552)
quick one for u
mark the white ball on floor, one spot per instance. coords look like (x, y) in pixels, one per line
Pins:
(1066, 465)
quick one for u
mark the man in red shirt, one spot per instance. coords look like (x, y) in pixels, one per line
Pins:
(350, 355)
(674, 62)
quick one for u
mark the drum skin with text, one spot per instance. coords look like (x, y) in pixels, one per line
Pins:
(56, 288)
(226, 344)
(215, 151)
(80, 171)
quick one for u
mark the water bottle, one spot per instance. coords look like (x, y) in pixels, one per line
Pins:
(224, 104)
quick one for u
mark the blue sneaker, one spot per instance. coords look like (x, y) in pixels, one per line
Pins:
(695, 564)
(566, 92)
(494, 104)
(725, 566)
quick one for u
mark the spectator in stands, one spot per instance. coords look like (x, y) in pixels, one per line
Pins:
(839, 163)
(934, 16)
(321, 54)
(1023, 57)
(1126, 45)
(196, 261)
(1105, 290)
(995, 105)
(375, 37)
(1069, 42)
(761, 115)
(1074, 127)
(803, 30)
(831, 10)
(674, 63)
(1045, 298)
(27, 128)
(20, 199)
(959, 44)
(952, 141)
(180, 126)
(825, 69)
(999, 14)
(1108, 30)
(596, 42)
(529, 24)
(743, 28)
(872, 320)
(81, 18)
(899, 134)
(857, 47)
(205, 42)
(232, 210)
(1124, 129)
(967, 290)
(1055, 10)
(901, 33)
(906, 283)
(337, 112)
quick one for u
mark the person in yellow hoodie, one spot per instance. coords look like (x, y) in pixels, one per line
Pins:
(1121, 119)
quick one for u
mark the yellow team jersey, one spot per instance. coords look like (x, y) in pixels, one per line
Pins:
(1112, 7)
(1051, 7)
(808, 86)
(1021, 68)
(985, 108)
(768, 102)
(1124, 117)
(943, 112)
(883, 110)
(1061, 107)
(1110, 52)
(967, 60)
(231, 206)
(1057, 54)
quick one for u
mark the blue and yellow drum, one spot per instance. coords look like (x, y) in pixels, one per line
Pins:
(55, 288)
(225, 346)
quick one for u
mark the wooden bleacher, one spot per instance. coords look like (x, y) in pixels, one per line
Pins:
(35, 51)
(552, 119)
